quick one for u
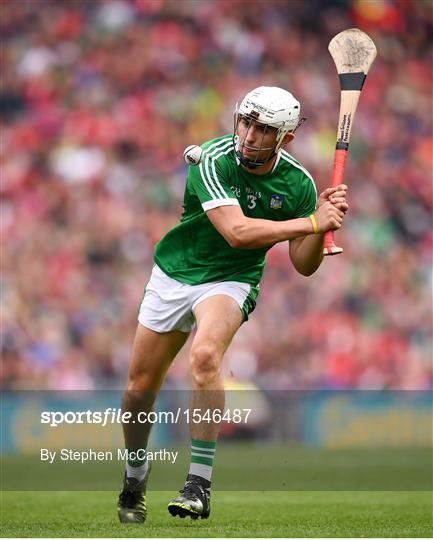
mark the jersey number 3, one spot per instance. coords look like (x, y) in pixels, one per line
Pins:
(252, 201)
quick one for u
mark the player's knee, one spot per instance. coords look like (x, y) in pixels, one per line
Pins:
(138, 396)
(204, 364)
(140, 381)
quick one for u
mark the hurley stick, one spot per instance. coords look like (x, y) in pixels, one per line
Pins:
(353, 53)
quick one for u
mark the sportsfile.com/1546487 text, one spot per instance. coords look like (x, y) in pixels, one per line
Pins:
(117, 416)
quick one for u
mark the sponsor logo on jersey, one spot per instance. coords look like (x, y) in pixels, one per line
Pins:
(276, 202)
(236, 191)
(251, 191)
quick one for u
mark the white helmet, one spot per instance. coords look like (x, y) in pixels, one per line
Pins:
(272, 106)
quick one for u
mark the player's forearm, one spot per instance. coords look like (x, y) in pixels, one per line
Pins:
(306, 253)
(253, 233)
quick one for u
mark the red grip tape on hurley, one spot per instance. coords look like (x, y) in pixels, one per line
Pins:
(338, 167)
(336, 179)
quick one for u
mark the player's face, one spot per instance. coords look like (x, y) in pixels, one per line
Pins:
(256, 141)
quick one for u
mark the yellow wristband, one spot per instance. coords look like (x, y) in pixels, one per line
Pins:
(314, 223)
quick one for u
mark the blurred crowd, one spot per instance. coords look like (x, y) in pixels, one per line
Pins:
(99, 99)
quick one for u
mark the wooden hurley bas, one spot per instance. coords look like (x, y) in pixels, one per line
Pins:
(353, 53)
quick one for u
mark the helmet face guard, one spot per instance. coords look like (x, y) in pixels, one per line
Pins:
(260, 158)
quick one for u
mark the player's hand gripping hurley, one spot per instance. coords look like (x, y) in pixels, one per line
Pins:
(353, 53)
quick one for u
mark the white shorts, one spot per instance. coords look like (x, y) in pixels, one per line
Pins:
(168, 304)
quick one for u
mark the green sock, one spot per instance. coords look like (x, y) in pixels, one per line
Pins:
(202, 456)
(136, 463)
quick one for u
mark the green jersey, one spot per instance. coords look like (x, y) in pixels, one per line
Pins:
(194, 252)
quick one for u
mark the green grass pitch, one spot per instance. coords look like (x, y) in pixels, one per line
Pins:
(234, 514)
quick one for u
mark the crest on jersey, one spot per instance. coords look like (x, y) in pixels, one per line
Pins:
(276, 202)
